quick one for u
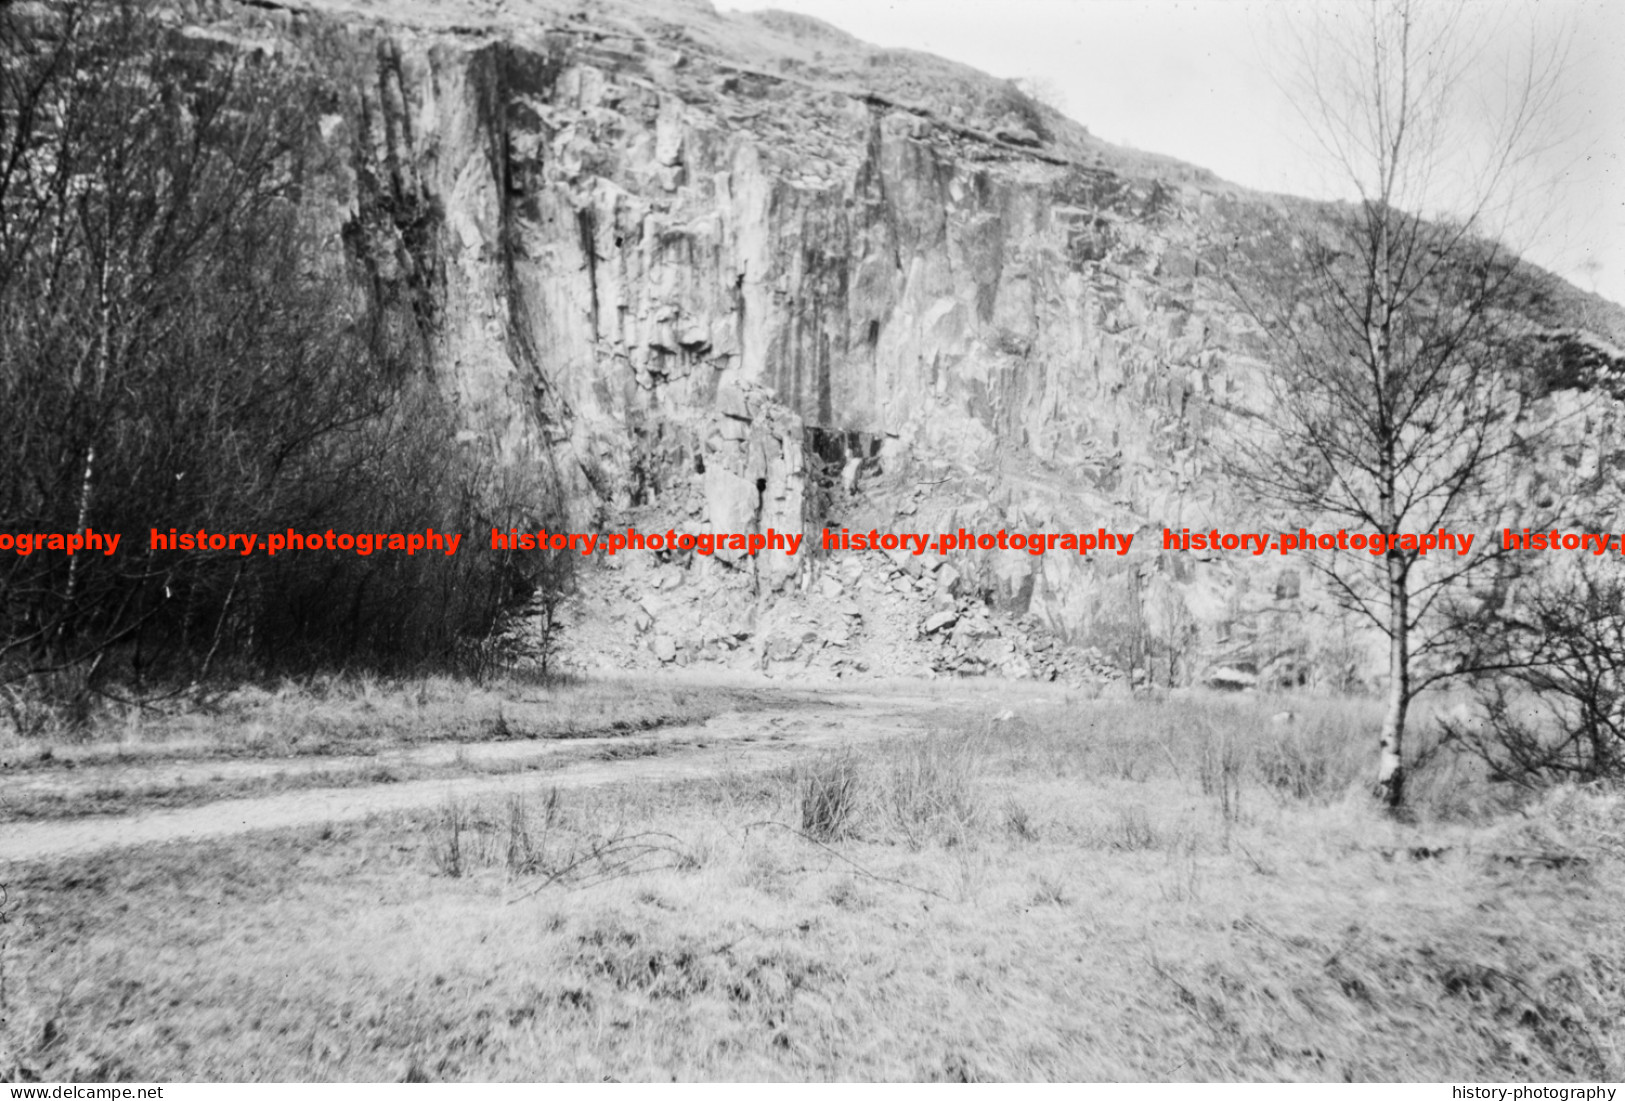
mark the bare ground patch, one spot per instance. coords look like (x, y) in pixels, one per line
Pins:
(360, 733)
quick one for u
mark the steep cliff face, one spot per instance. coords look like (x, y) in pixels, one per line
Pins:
(747, 272)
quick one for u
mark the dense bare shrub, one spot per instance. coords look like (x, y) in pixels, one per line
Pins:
(178, 350)
(1550, 694)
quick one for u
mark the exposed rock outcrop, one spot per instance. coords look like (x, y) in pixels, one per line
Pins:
(745, 272)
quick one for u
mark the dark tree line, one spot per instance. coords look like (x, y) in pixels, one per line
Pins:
(178, 349)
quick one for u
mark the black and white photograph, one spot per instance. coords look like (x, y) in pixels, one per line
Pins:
(812, 541)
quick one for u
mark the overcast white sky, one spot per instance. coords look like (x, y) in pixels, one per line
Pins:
(1193, 79)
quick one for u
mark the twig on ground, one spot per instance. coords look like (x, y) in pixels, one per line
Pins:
(847, 859)
(626, 851)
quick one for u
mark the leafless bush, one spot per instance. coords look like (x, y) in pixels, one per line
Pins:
(545, 844)
(1550, 699)
(178, 351)
(1220, 770)
(45, 706)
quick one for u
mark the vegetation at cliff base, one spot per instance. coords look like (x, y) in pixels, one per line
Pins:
(183, 346)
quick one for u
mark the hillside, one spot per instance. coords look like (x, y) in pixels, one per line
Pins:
(741, 272)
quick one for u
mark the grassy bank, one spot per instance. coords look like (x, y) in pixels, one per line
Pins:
(354, 714)
(331, 732)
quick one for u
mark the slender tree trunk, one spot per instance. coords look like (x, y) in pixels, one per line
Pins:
(1390, 786)
(87, 481)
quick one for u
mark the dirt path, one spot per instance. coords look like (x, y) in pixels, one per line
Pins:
(177, 772)
(733, 742)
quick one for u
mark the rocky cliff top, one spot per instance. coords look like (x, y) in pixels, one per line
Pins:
(689, 45)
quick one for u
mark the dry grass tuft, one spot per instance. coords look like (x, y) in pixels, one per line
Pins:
(931, 786)
(829, 796)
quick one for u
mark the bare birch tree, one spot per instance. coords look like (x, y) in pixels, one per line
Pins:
(1395, 329)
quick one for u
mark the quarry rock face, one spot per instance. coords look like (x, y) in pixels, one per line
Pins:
(746, 273)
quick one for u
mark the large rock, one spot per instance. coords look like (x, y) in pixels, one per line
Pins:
(656, 275)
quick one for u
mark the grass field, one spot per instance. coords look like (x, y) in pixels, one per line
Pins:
(1186, 889)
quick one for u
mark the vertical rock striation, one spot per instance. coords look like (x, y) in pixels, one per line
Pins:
(802, 279)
